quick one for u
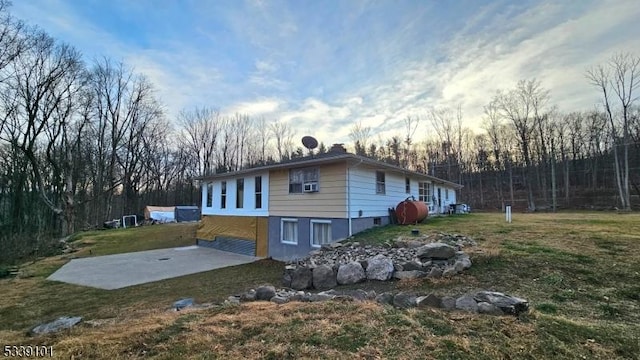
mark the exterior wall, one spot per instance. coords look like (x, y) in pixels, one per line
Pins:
(361, 224)
(249, 205)
(328, 202)
(363, 197)
(252, 228)
(282, 251)
(444, 200)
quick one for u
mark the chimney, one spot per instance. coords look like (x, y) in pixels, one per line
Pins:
(338, 148)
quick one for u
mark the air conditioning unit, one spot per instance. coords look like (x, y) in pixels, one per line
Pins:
(310, 187)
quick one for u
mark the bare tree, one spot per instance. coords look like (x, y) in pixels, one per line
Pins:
(618, 80)
(283, 136)
(199, 130)
(360, 135)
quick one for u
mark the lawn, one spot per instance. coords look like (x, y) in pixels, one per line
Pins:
(580, 271)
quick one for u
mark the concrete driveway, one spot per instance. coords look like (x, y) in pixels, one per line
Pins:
(121, 270)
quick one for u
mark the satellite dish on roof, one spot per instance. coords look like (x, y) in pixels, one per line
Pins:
(309, 142)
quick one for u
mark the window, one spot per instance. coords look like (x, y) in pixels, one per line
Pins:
(377, 221)
(320, 232)
(407, 185)
(258, 186)
(424, 192)
(209, 194)
(289, 231)
(223, 195)
(380, 182)
(446, 194)
(239, 193)
(299, 177)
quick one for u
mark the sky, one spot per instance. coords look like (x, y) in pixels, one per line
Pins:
(322, 66)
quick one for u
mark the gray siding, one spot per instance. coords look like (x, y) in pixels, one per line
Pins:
(361, 224)
(284, 252)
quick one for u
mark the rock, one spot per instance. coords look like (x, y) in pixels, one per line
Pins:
(288, 275)
(435, 273)
(466, 262)
(412, 274)
(385, 298)
(439, 251)
(320, 297)
(458, 266)
(350, 273)
(279, 299)
(301, 278)
(380, 268)
(248, 295)
(508, 304)
(412, 265)
(467, 303)
(61, 323)
(486, 308)
(298, 296)
(430, 300)
(233, 300)
(358, 294)
(449, 272)
(324, 277)
(265, 292)
(183, 303)
(448, 303)
(404, 300)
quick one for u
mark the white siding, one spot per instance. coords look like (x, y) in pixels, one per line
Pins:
(362, 194)
(249, 199)
(444, 200)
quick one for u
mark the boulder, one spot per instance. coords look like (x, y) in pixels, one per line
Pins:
(350, 273)
(467, 303)
(508, 304)
(279, 299)
(287, 276)
(430, 300)
(183, 303)
(379, 267)
(404, 300)
(265, 292)
(411, 274)
(435, 273)
(61, 323)
(412, 265)
(459, 266)
(449, 272)
(320, 297)
(301, 278)
(438, 251)
(233, 300)
(385, 298)
(448, 303)
(248, 295)
(324, 277)
(466, 262)
(486, 308)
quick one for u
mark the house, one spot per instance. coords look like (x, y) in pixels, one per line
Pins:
(287, 209)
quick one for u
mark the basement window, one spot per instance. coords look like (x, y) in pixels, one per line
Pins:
(377, 221)
(289, 231)
(320, 232)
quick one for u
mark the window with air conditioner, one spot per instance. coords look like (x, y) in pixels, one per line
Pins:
(310, 187)
(304, 180)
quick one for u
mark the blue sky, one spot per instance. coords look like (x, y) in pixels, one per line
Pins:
(324, 65)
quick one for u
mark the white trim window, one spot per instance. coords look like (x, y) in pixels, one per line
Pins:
(298, 178)
(320, 232)
(424, 192)
(289, 231)
(380, 182)
(210, 195)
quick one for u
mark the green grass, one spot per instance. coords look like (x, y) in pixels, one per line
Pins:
(580, 271)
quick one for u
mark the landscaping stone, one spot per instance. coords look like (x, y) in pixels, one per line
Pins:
(288, 275)
(467, 303)
(279, 299)
(435, 273)
(379, 267)
(449, 272)
(183, 303)
(448, 303)
(350, 273)
(301, 278)
(248, 295)
(233, 300)
(61, 323)
(412, 265)
(412, 274)
(438, 251)
(324, 277)
(486, 308)
(458, 266)
(265, 292)
(385, 298)
(404, 300)
(430, 300)
(320, 297)
(508, 304)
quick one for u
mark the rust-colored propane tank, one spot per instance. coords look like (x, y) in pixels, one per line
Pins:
(411, 212)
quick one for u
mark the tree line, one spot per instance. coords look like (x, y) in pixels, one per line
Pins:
(85, 141)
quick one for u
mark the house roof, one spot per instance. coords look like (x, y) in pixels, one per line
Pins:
(327, 158)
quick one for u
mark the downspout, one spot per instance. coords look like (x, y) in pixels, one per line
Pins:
(349, 197)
